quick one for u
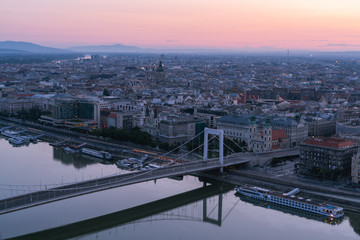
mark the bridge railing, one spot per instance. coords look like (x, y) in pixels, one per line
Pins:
(62, 192)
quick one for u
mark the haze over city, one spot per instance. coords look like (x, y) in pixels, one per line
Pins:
(323, 25)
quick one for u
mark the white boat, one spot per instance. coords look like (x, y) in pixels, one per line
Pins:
(151, 165)
(9, 133)
(95, 153)
(26, 139)
(106, 155)
(124, 164)
(16, 140)
(290, 200)
(69, 150)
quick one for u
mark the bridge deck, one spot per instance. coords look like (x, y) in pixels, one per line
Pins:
(86, 187)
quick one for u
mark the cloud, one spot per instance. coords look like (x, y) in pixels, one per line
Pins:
(342, 45)
(171, 41)
(316, 40)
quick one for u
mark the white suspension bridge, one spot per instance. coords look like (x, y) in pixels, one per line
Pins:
(181, 166)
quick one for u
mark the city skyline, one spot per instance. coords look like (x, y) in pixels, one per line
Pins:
(231, 25)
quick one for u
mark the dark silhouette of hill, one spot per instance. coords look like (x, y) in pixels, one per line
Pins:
(27, 47)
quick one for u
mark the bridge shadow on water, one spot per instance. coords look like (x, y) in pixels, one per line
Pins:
(137, 213)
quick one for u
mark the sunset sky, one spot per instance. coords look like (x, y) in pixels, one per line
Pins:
(226, 24)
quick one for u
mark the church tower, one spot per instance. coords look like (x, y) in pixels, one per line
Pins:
(252, 133)
(267, 135)
(158, 77)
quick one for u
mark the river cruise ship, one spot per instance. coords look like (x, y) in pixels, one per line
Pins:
(98, 154)
(290, 200)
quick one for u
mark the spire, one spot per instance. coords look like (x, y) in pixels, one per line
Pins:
(160, 67)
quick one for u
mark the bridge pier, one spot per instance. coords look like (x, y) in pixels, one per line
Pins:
(220, 133)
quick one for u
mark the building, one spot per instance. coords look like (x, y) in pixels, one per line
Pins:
(349, 128)
(158, 76)
(72, 108)
(13, 106)
(240, 128)
(355, 174)
(295, 129)
(261, 141)
(280, 140)
(210, 119)
(326, 157)
(116, 119)
(175, 130)
(71, 113)
(321, 128)
(259, 135)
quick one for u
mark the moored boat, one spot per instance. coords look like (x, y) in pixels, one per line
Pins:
(95, 153)
(16, 140)
(290, 200)
(289, 210)
(69, 150)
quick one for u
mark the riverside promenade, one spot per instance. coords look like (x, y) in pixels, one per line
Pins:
(331, 193)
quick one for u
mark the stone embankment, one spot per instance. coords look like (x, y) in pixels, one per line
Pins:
(349, 199)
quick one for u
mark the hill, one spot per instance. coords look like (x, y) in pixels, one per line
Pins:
(27, 47)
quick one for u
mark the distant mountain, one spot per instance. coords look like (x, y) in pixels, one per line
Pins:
(117, 48)
(12, 51)
(26, 47)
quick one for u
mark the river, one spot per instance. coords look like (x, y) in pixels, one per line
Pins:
(162, 209)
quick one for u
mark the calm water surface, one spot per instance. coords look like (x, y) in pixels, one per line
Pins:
(162, 209)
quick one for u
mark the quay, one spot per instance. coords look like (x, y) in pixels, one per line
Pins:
(349, 200)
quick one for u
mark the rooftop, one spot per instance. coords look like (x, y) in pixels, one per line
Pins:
(336, 143)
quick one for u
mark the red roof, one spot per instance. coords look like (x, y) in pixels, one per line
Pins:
(279, 134)
(330, 142)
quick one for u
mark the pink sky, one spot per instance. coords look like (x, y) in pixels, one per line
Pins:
(232, 24)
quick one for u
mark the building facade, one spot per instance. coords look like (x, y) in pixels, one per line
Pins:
(13, 106)
(322, 128)
(260, 136)
(175, 130)
(72, 108)
(355, 174)
(240, 128)
(295, 130)
(326, 156)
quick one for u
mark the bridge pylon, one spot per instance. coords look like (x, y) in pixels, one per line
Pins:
(220, 133)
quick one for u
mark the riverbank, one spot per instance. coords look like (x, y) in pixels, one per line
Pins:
(349, 200)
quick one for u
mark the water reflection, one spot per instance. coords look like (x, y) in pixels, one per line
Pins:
(203, 204)
(76, 160)
(164, 209)
(289, 210)
(354, 221)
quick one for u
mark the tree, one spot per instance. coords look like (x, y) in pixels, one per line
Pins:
(106, 92)
(5, 113)
(164, 146)
(134, 135)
